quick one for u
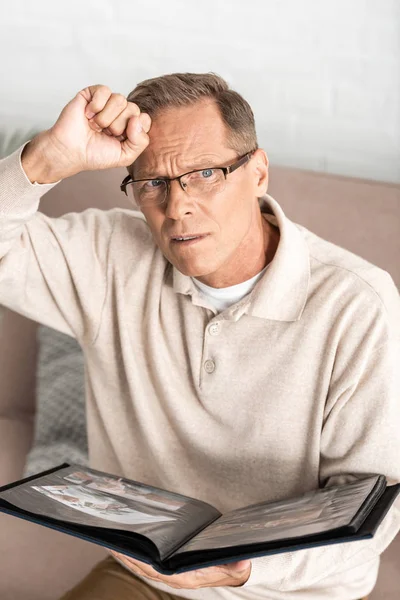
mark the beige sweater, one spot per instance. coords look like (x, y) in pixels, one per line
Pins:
(294, 387)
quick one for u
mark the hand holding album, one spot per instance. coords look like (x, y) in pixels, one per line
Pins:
(174, 533)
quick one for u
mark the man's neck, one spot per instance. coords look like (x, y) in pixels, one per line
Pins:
(268, 248)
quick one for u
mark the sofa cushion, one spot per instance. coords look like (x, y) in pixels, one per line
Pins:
(60, 424)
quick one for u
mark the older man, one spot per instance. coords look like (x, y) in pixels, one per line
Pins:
(231, 354)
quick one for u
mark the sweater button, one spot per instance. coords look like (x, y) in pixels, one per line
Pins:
(214, 329)
(209, 366)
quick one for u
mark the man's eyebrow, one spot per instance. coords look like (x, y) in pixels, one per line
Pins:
(208, 161)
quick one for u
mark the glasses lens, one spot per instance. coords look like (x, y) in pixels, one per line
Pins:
(204, 183)
(147, 193)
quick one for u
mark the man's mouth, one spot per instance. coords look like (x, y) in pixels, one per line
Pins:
(188, 239)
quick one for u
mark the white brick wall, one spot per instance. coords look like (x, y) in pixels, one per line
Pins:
(323, 77)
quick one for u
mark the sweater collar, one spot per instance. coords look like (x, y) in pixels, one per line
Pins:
(281, 293)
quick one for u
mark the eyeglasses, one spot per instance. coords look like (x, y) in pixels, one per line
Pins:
(201, 182)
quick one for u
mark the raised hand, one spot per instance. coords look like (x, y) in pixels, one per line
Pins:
(97, 129)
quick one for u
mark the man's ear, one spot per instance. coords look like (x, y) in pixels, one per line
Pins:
(260, 166)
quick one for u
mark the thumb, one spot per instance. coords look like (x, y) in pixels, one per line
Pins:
(239, 566)
(74, 111)
(236, 569)
(136, 140)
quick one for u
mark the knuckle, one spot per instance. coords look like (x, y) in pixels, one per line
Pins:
(101, 121)
(92, 89)
(100, 97)
(95, 126)
(99, 93)
(116, 130)
(134, 109)
(120, 99)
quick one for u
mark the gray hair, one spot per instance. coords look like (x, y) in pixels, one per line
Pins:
(183, 89)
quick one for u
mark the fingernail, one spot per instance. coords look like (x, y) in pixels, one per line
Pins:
(90, 114)
(139, 127)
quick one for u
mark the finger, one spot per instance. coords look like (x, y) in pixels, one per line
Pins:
(142, 566)
(99, 95)
(120, 138)
(191, 580)
(145, 120)
(134, 144)
(238, 571)
(136, 565)
(88, 92)
(146, 570)
(236, 567)
(118, 126)
(116, 105)
(220, 575)
(197, 579)
(138, 125)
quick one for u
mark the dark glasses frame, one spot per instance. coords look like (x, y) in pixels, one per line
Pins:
(226, 170)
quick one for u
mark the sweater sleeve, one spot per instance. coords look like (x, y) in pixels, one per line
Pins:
(53, 271)
(359, 437)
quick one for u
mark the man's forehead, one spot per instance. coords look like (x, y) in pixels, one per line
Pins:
(155, 165)
(183, 139)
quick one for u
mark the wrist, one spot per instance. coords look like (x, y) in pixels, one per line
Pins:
(36, 161)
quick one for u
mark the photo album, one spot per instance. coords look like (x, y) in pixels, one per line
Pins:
(175, 533)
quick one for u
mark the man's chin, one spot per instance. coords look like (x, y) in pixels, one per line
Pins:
(194, 266)
(192, 270)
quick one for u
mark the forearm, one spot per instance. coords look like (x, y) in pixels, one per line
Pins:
(302, 569)
(19, 199)
(49, 267)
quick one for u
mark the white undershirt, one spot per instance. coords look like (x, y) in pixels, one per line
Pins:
(221, 298)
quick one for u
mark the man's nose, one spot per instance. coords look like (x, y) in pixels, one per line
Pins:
(179, 203)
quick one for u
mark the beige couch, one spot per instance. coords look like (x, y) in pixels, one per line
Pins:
(39, 564)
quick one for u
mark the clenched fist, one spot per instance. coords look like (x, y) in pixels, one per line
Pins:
(98, 129)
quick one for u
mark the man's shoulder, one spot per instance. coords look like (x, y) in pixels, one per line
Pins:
(124, 223)
(130, 227)
(132, 250)
(355, 274)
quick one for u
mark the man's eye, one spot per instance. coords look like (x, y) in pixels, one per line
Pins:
(207, 173)
(154, 183)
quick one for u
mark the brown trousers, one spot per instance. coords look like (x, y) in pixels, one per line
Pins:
(110, 581)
